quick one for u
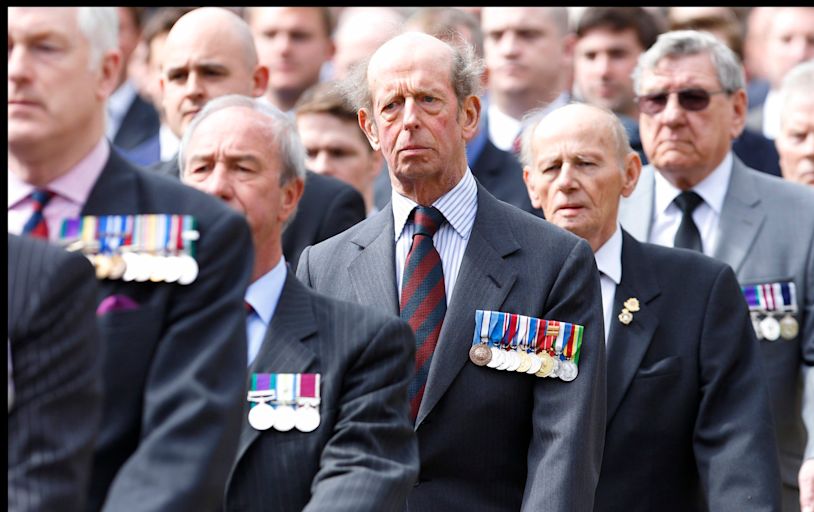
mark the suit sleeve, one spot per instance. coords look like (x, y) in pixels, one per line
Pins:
(568, 437)
(195, 386)
(58, 390)
(344, 210)
(807, 340)
(371, 461)
(734, 423)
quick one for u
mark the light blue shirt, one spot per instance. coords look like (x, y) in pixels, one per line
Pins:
(263, 295)
(459, 207)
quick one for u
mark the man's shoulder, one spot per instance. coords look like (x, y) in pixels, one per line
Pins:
(682, 265)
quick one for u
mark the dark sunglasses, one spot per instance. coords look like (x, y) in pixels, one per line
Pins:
(692, 100)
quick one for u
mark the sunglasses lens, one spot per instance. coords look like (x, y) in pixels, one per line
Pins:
(693, 99)
(653, 103)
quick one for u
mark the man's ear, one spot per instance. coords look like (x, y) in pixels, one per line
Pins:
(260, 80)
(291, 194)
(369, 127)
(109, 69)
(632, 171)
(533, 197)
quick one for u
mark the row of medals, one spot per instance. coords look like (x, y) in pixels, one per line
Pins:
(771, 329)
(540, 364)
(142, 266)
(284, 416)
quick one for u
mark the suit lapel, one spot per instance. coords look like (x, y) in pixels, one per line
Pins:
(741, 217)
(115, 191)
(484, 281)
(283, 349)
(627, 344)
(373, 271)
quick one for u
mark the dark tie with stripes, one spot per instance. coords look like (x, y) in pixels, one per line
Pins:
(423, 298)
(36, 225)
(687, 235)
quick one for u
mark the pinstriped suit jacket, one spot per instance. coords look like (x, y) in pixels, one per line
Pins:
(56, 355)
(492, 440)
(364, 455)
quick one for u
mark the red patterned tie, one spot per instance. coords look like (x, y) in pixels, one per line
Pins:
(36, 225)
(423, 298)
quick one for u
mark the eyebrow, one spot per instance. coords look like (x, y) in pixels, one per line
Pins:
(204, 66)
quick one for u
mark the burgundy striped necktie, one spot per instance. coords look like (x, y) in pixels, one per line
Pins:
(423, 298)
(36, 225)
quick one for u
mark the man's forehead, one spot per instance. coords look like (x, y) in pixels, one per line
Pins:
(41, 21)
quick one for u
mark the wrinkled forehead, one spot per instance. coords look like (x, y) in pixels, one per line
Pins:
(681, 70)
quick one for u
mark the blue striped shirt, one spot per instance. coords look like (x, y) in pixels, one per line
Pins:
(459, 207)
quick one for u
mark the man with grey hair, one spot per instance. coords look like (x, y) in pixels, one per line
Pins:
(173, 358)
(349, 365)
(459, 265)
(688, 410)
(795, 141)
(697, 194)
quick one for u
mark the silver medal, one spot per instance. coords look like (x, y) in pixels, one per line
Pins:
(285, 418)
(307, 419)
(568, 371)
(770, 328)
(261, 416)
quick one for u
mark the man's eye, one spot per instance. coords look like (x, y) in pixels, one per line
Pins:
(176, 76)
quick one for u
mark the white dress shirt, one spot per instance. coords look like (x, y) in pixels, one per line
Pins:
(667, 216)
(609, 262)
(459, 207)
(504, 129)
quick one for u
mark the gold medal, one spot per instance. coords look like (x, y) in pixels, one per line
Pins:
(789, 328)
(546, 366)
(103, 266)
(117, 267)
(525, 362)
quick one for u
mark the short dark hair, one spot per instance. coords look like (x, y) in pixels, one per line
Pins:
(646, 26)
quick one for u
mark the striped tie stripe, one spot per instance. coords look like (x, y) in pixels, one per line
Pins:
(36, 225)
(423, 297)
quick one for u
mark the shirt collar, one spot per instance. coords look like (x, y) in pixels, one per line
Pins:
(75, 185)
(609, 256)
(168, 143)
(119, 102)
(712, 189)
(264, 293)
(456, 206)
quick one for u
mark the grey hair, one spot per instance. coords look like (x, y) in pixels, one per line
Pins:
(533, 118)
(465, 76)
(100, 26)
(679, 43)
(799, 81)
(292, 153)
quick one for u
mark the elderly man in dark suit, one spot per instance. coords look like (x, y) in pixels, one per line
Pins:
(689, 424)
(55, 378)
(360, 453)
(174, 354)
(489, 440)
(697, 194)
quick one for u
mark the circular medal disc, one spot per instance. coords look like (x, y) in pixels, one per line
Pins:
(525, 362)
(158, 270)
(507, 360)
(789, 328)
(173, 268)
(497, 357)
(770, 328)
(535, 365)
(555, 370)
(117, 267)
(190, 270)
(515, 362)
(131, 261)
(145, 267)
(546, 365)
(568, 371)
(284, 418)
(307, 419)
(480, 354)
(261, 416)
(102, 266)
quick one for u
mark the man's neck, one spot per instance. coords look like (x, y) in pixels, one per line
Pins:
(518, 104)
(283, 100)
(41, 164)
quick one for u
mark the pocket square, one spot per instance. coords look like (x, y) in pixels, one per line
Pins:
(116, 303)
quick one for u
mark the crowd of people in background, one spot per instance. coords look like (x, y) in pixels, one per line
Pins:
(411, 258)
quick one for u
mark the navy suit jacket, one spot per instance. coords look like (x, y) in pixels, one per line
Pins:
(501, 174)
(364, 454)
(689, 421)
(174, 366)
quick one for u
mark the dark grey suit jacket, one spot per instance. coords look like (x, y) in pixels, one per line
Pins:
(364, 454)
(492, 440)
(55, 353)
(689, 421)
(140, 123)
(766, 234)
(175, 366)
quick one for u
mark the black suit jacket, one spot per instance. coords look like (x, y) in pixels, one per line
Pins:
(689, 425)
(55, 353)
(174, 367)
(140, 123)
(501, 174)
(327, 207)
(364, 454)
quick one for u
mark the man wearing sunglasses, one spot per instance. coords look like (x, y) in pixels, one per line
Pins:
(696, 194)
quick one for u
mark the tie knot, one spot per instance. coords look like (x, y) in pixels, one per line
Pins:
(41, 197)
(687, 201)
(427, 220)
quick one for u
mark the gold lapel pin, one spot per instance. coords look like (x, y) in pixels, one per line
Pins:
(631, 306)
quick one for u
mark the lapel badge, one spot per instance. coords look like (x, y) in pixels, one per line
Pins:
(632, 304)
(625, 316)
